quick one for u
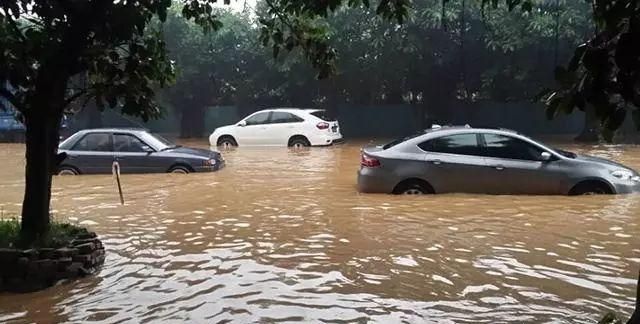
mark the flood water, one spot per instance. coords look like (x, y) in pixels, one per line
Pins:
(283, 236)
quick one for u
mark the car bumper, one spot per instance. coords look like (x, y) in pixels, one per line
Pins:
(372, 181)
(326, 140)
(219, 165)
(626, 187)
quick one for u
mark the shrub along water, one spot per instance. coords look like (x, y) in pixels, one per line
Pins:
(59, 235)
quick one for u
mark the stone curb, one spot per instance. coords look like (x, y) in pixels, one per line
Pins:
(37, 269)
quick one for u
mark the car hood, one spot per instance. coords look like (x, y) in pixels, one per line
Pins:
(223, 128)
(601, 161)
(194, 151)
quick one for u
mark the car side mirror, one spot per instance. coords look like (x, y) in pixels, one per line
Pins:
(147, 149)
(242, 123)
(546, 156)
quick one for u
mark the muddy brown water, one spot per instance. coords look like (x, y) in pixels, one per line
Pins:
(283, 236)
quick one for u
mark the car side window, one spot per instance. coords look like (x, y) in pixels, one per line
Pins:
(281, 117)
(128, 143)
(464, 144)
(507, 147)
(258, 119)
(96, 142)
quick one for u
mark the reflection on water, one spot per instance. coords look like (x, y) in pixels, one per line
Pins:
(283, 236)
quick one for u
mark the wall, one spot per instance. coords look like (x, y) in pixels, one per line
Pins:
(383, 120)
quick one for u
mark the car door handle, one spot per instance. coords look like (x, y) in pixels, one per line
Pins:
(436, 162)
(499, 167)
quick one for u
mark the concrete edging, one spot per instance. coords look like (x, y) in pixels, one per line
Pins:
(37, 269)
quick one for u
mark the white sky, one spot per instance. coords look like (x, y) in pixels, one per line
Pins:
(239, 4)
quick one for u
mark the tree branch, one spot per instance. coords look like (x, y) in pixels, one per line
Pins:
(75, 96)
(5, 93)
(16, 29)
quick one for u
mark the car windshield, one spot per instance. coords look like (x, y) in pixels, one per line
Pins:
(564, 153)
(159, 142)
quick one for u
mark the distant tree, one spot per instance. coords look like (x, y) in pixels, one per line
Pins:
(604, 73)
(210, 67)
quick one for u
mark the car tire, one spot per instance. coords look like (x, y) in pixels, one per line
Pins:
(179, 170)
(227, 142)
(299, 142)
(589, 189)
(412, 189)
(67, 171)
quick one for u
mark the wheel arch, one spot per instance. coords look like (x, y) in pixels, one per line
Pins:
(226, 135)
(181, 164)
(70, 166)
(592, 181)
(422, 182)
(298, 136)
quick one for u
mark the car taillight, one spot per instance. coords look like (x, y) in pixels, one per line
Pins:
(369, 162)
(322, 125)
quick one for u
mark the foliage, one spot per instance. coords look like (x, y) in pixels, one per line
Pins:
(605, 71)
(59, 235)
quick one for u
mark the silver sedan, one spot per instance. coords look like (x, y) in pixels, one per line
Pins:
(491, 161)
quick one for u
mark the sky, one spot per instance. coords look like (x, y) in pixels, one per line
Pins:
(239, 4)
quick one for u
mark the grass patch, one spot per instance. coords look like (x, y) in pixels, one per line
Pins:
(59, 235)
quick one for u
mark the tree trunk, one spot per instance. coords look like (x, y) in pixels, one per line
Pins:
(192, 121)
(589, 132)
(42, 136)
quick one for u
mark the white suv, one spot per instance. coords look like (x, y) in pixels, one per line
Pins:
(280, 127)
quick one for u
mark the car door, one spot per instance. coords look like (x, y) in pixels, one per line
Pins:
(282, 125)
(517, 167)
(93, 153)
(254, 130)
(136, 156)
(454, 163)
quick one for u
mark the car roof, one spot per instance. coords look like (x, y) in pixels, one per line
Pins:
(115, 130)
(293, 110)
(440, 131)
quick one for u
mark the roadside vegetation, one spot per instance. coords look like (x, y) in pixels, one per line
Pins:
(59, 235)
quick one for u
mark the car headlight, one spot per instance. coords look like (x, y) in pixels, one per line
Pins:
(210, 162)
(624, 175)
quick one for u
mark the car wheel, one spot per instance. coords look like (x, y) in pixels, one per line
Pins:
(412, 189)
(299, 142)
(227, 142)
(179, 170)
(589, 189)
(67, 171)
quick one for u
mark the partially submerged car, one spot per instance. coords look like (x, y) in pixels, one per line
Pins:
(13, 130)
(93, 151)
(490, 161)
(291, 127)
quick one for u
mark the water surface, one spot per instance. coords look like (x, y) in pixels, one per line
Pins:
(283, 236)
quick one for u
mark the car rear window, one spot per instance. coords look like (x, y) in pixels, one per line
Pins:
(400, 140)
(324, 115)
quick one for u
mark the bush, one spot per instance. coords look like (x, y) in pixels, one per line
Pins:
(59, 235)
